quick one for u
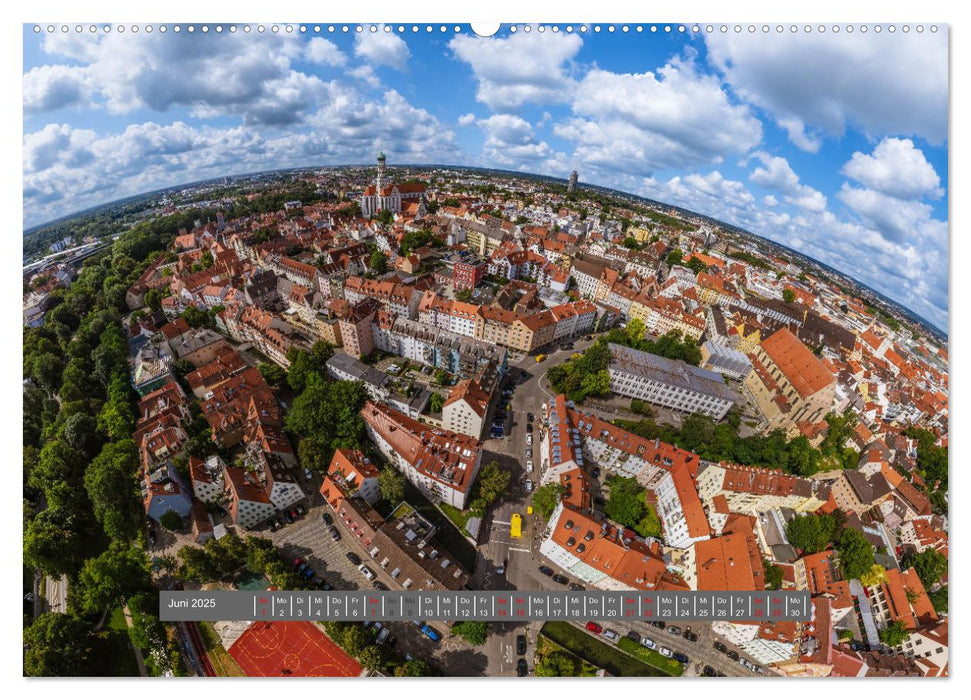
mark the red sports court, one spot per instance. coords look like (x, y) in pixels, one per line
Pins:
(277, 649)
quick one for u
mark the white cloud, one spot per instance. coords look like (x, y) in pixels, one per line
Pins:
(511, 140)
(226, 74)
(899, 220)
(775, 173)
(817, 84)
(324, 52)
(47, 88)
(467, 119)
(365, 73)
(649, 122)
(382, 49)
(770, 200)
(896, 168)
(520, 69)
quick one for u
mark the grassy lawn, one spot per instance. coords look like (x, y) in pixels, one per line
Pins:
(119, 658)
(651, 657)
(458, 517)
(602, 655)
(224, 664)
(548, 646)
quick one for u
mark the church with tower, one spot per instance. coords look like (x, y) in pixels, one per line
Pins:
(385, 194)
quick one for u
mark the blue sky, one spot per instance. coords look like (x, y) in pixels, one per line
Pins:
(835, 145)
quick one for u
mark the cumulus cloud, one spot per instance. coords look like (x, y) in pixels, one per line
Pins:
(467, 119)
(511, 140)
(775, 173)
(896, 168)
(520, 69)
(816, 84)
(227, 74)
(324, 52)
(649, 122)
(382, 48)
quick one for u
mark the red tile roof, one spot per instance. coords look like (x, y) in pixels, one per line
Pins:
(805, 371)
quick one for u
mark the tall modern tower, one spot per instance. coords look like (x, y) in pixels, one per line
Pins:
(572, 187)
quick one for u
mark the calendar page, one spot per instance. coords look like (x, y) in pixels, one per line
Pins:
(451, 350)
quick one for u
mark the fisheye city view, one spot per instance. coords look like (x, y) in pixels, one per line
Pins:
(393, 311)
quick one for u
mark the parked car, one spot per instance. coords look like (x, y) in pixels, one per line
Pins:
(324, 585)
(308, 474)
(353, 558)
(596, 472)
(529, 465)
(294, 514)
(709, 671)
(522, 668)
(529, 438)
(545, 570)
(378, 586)
(297, 562)
(577, 587)
(431, 633)
(732, 654)
(383, 636)
(327, 519)
(674, 629)
(757, 669)
(747, 664)
(301, 510)
(610, 635)
(678, 656)
(561, 579)
(368, 574)
(309, 573)
(287, 517)
(392, 640)
(529, 451)
(501, 569)
(649, 643)
(521, 645)
(529, 427)
(720, 647)
(529, 485)
(634, 636)
(334, 533)
(529, 416)
(594, 627)
(664, 651)
(273, 528)
(689, 635)
(303, 567)
(660, 624)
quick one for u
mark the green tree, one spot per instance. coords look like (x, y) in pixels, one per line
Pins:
(464, 295)
(475, 632)
(435, 403)
(489, 485)
(414, 668)
(894, 634)
(855, 552)
(650, 524)
(273, 374)
(674, 257)
(557, 664)
(811, 533)
(385, 217)
(356, 639)
(788, 296)
(331, 413)
(119, 571)
(773, 575)
(80, 431)
(625, 504)
(939, 599)
(392, 485)
(171, 520)
(372, 658)
(57, 644)
(546, 498)
(378, 262)
(47, 371)
(930, 566)
(111, 484)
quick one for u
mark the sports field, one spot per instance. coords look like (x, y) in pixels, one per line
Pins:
(279, 649)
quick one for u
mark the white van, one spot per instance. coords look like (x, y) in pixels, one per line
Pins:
(368, 574)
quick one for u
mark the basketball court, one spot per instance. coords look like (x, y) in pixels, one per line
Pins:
(278, 649)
